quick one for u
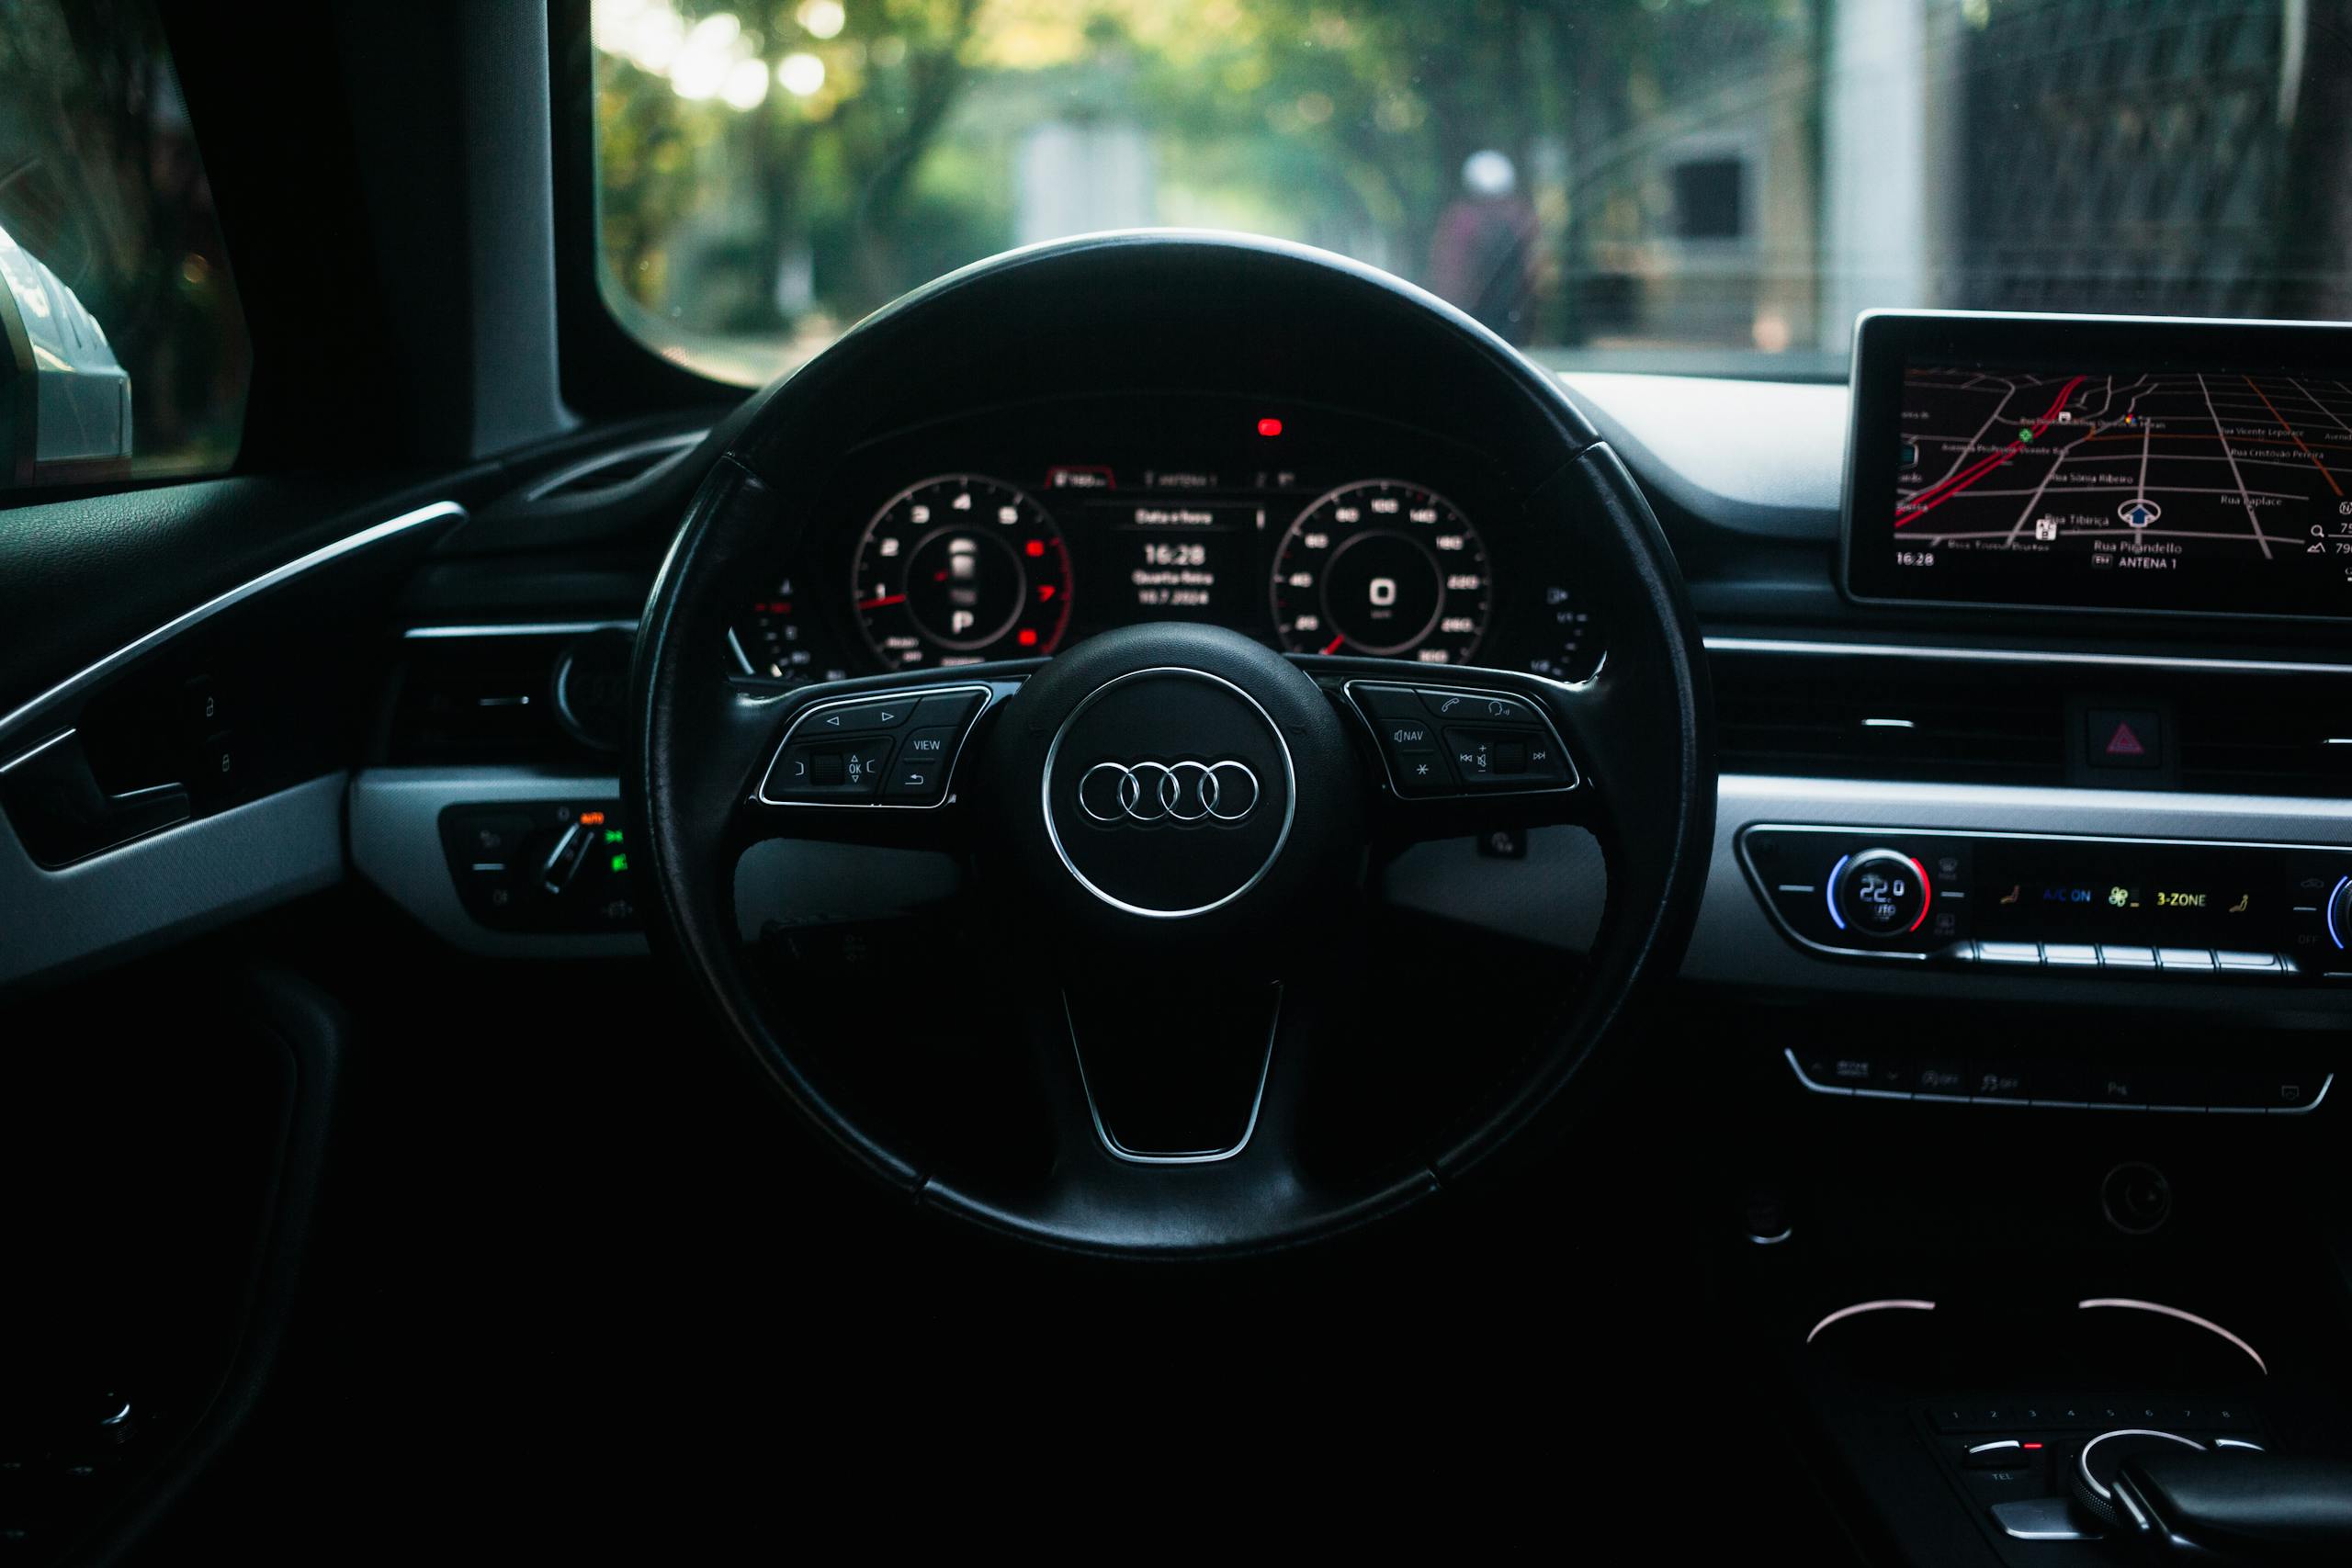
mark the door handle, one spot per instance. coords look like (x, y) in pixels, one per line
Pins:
(63, 814)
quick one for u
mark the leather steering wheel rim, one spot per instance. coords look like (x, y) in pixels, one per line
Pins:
(1228, 312)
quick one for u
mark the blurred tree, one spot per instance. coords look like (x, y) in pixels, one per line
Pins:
(1347, 123)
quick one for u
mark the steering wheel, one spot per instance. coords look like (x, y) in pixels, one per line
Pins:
(1172, 800)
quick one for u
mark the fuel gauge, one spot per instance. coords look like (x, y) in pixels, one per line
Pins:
(1567, 644)
(767, 638)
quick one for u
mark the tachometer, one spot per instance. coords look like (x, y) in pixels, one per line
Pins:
(1384, 567)
(960, 569)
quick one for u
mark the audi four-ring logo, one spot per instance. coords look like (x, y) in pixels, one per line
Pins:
(1175, 791)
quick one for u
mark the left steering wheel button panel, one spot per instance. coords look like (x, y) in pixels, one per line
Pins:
(832, 754)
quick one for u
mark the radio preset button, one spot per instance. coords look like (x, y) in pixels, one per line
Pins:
(2127, 957)
(2070, 954)
(2009, 951)
(2194, 960)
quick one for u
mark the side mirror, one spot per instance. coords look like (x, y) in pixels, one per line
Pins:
(65, 399)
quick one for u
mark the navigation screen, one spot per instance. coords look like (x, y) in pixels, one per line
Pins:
(2181, 487)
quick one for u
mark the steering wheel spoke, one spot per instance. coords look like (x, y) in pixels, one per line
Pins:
(1181, 1122)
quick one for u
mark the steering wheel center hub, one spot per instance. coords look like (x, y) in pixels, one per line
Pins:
(1168, 792)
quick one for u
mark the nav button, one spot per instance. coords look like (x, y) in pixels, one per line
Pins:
(1408, 735)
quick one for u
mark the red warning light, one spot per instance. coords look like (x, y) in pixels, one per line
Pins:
(1270, 426)
(1033, 549)
(2124, 744)
(1028, 638)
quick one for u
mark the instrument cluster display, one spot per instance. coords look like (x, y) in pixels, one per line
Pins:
(1267, 533)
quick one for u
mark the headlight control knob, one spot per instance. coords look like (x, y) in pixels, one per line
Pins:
(1879, 893)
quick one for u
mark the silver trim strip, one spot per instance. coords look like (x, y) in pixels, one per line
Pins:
(2083, 1458)
(21, 757)
(1118, 1150)
(2018, 656)
(2132, 1303)
(114, 663)
(1890, 1303)
(521, 628)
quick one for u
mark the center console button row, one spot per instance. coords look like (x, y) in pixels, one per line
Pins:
(2289, 1089)
(2105, 955)
(2067, 1413)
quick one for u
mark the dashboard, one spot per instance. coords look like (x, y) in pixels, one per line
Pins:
(1016, 532)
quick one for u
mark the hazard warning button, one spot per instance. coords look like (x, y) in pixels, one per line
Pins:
(2124, 737)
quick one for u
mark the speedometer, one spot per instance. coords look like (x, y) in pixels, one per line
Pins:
(960, 569)
(1383, 567)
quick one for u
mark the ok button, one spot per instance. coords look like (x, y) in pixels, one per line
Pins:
(1408, 735)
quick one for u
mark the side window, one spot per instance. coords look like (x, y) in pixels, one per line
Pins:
(123, 352)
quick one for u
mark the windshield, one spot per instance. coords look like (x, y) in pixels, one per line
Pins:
(1690, 184)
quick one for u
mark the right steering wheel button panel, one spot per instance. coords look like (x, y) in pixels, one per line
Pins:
(1486, 740)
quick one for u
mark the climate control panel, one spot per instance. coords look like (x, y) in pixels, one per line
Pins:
(2014, 901)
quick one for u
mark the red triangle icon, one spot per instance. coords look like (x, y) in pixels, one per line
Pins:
(2124, 744)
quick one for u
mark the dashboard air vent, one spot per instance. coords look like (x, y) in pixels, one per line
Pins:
(1816, 717)
(476, 699)
(2278, 735)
